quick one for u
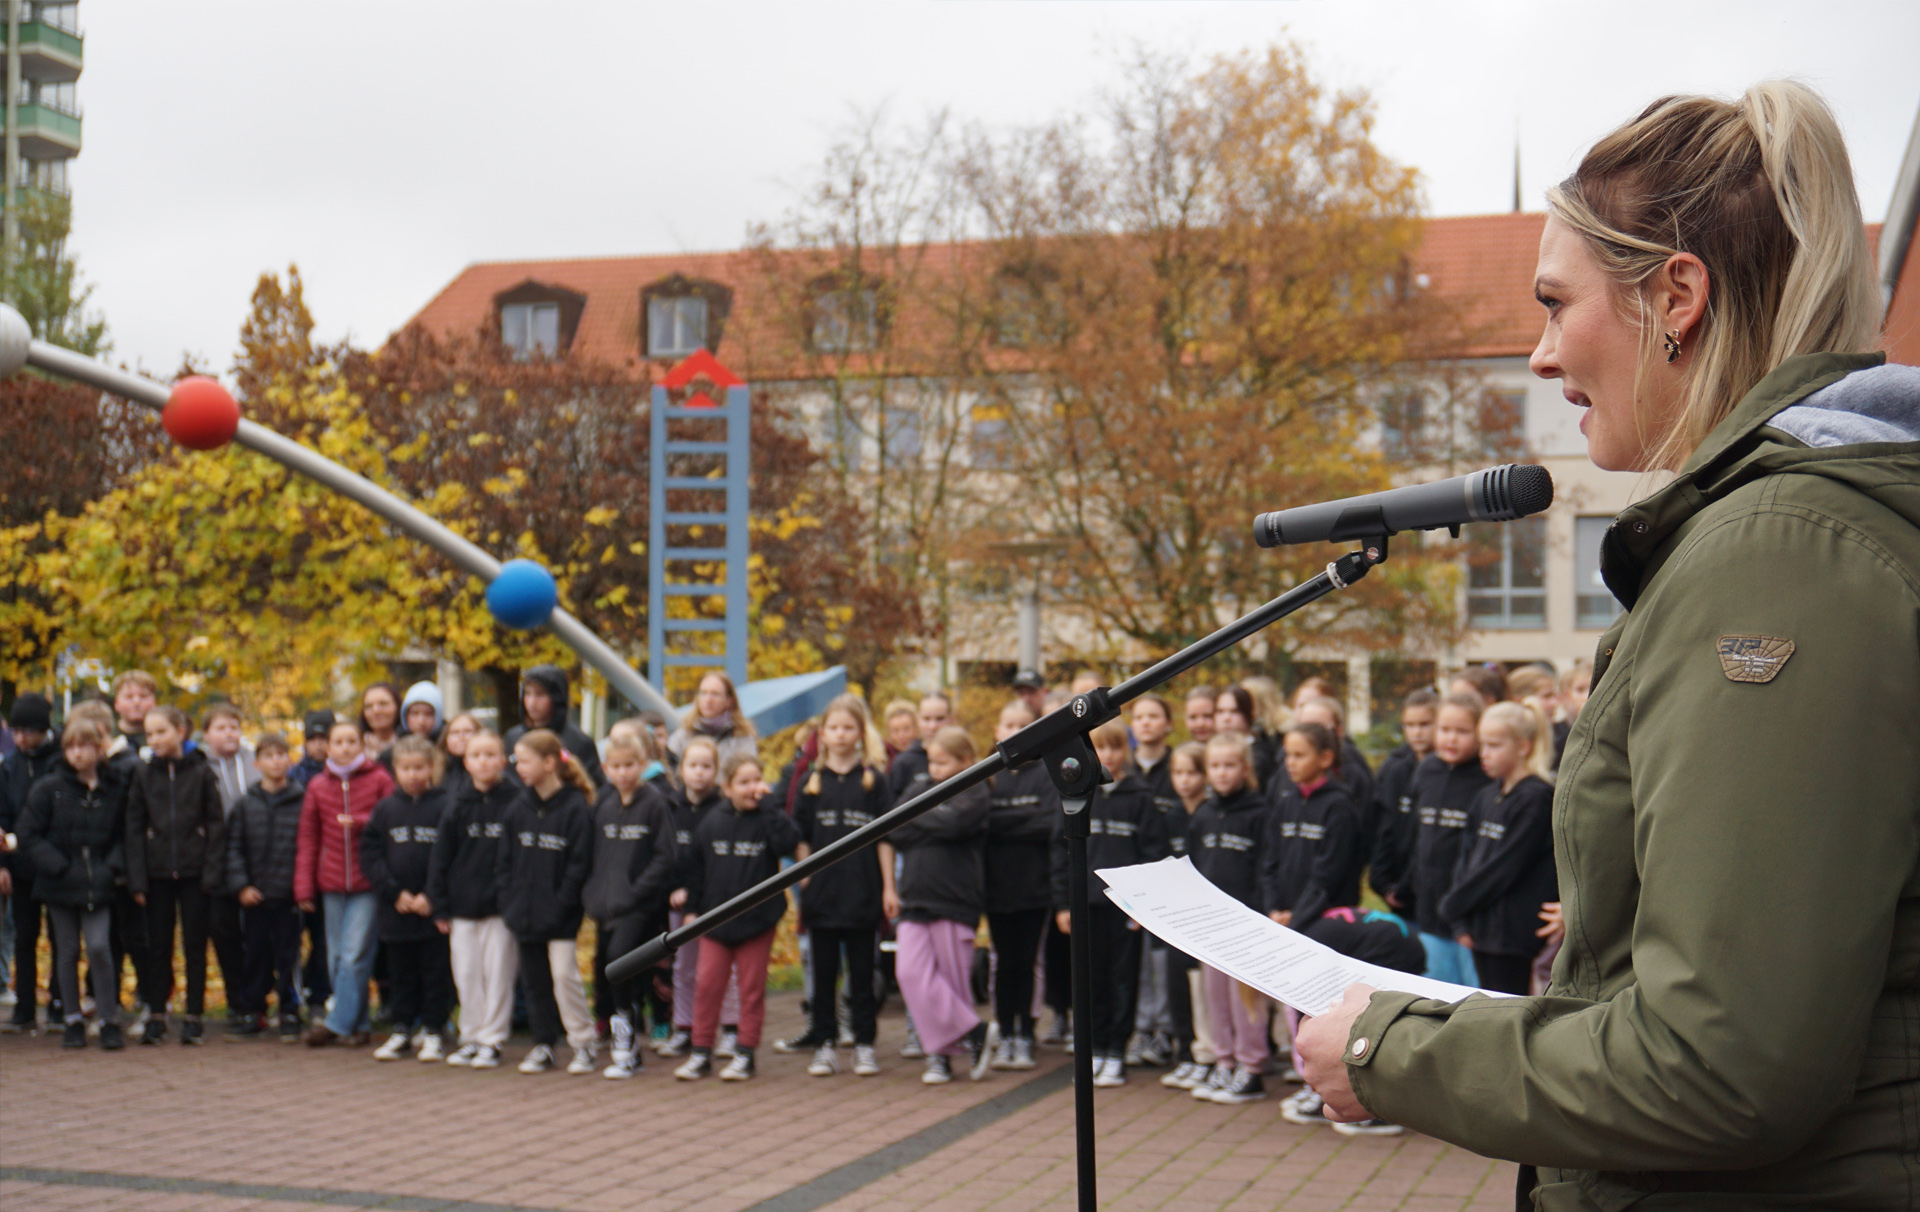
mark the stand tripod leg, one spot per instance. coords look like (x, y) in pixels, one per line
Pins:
(1081, 948)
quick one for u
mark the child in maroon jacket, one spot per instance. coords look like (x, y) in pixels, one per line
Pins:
(327, 872)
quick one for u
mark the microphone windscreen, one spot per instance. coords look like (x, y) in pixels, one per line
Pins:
(1529, 489)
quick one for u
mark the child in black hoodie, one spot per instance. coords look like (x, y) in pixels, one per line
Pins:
(263, 835)
(1505, 873)
(1020, 821)
(634, 859)
(1225, 839)
(841, 906)
(1127, 827)
(697, 795)
(939, 897)
(541, 868)
(1312, 853)
(464, 895)
(396, 852)
(1443, 787)
(1393, 829)
(734, 848)
(176, 852)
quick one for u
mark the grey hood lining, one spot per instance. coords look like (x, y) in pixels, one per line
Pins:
(1878, 404)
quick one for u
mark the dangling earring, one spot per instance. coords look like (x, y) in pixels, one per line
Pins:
(1673, 345)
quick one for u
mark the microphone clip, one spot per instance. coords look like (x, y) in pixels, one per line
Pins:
(1356, 564)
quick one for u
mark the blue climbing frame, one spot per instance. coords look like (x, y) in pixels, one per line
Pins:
(673, 571)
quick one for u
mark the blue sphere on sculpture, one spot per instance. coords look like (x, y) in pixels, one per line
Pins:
(523, 595)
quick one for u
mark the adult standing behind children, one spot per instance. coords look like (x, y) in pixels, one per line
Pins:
(74, 827)
(541, 870)
(176, 854)
(379, 720)
(263, 846)
(329, 876)
(544, 703)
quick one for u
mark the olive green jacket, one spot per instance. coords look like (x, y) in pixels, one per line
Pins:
(1734, 1019)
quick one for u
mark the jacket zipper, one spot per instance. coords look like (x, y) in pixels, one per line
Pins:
(346, 834)
(173, 814)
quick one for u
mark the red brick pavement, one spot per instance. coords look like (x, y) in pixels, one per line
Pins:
(274, 1116)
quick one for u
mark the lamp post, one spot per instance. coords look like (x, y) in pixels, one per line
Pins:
(1027, 608)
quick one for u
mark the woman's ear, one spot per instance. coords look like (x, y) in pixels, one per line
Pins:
(1680, 291)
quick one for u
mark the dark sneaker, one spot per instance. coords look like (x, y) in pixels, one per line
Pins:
(245, 1026)
(1245, 1087)
(192, 1033)
(1369, 1127)
(156, 1030)
(320, 1035)
(75, 1035)
(798, 1043)
(110, 1037)
(289, 1028)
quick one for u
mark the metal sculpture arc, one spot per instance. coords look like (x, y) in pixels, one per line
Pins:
(18, 349)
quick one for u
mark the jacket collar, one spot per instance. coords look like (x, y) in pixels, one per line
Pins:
(1627, 553)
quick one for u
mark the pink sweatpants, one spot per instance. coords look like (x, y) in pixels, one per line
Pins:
(743, 965)
(1239, 1033)
(686, 969)
(933, 962)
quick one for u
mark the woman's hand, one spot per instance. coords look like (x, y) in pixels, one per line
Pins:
(1321, 1046)
(1556, 925)
(890, 904)
(677, 899)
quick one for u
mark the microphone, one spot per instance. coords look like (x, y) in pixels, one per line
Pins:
(1498, 494)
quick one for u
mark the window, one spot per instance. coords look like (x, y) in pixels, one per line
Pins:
(530, 328)
(1506, 574)
(1593, 603)
(902, 434)
(676, 326)
(846, 321)
(847, 437)
(992, 437)
(1403, 424)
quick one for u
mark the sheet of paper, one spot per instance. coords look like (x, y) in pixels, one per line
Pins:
(1177, 904)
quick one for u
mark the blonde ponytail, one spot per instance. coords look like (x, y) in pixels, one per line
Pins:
(1761, 190)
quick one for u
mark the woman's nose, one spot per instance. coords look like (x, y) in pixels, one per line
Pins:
(1544, 360)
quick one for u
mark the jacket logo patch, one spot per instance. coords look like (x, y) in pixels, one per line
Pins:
(1753, 658)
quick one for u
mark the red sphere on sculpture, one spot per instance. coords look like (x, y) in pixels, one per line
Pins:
(200, 414)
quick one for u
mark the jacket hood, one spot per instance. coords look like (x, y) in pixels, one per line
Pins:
(553, 680)
(186, 761)
(1847, 417)
(428, 693)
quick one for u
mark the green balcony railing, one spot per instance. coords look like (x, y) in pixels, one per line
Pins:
(39, 35)
(49, 123)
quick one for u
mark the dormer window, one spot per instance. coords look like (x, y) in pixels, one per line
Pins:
(531, 329)
(676, 326)
(846, 321)
(538, 320)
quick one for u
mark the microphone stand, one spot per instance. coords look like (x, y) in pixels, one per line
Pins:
(1059, 739)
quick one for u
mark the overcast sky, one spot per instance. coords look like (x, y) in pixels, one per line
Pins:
(383, 146)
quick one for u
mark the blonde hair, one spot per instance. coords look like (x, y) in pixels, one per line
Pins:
(1761, 191)
(1110, 734)
(547, 745)
(627, 743)
(955, 742)
(1269, 705)
(1527, 724)
(420, 747)
(1240, 745)
(83, 731)
(735, 764)
(94, 710)
(873, 749)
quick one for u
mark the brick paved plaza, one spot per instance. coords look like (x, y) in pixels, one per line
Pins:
(261, 1126)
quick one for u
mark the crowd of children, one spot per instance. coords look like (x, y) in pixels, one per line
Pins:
(453, 868)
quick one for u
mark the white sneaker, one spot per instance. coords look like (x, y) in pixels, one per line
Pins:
(676, 1044)
(486, 1056)
(432, 1047)
(1022, 1054)
(621, 1028)
(1185, 1077)
(395, 1047)
(1302, 1108)
(586, 1058)
(729, 1044)
(463, 1055)
(866, 1062)
(912, 1050)
(938, 1073)
(698, 1066)
(538, 1061)
(1369, 1127)
(625, 1065)
(1109, 1071)
(741, 1067)
(825, 1062)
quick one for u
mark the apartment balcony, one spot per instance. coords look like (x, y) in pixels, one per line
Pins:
(48, 54)
(47, 133)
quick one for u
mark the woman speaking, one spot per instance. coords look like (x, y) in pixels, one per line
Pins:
(1734, 1019)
